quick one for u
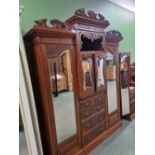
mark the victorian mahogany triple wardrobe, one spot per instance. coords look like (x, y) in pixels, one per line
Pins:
(80, 60)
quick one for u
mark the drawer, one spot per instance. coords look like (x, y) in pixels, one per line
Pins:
(91, 106)
(99, 102)
(93, 134)
(114, 118)
(86, 108)
(93, 121)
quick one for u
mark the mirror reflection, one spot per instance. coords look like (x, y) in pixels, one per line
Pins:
(124, 85)
(86, 67)
(63, 94)
(100, 66)
(111, 81)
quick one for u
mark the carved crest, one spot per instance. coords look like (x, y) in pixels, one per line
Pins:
(80, 12)
(57, 24)
(41, 22)
(113, 36)
(92, 14)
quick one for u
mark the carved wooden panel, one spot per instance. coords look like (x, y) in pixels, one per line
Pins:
(99, 102)
(93, 121)
(92, 106)
(113, 118)
(86, 108)
(93, 134)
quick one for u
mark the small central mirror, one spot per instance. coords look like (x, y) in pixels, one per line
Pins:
(111, 81)
(62, 90)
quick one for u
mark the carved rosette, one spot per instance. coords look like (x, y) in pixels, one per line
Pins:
(113, 36)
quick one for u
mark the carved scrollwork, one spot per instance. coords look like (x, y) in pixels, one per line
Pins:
(41, 22)
(91, 15)
(56, 24)
(101, 17)
(113, 36)
(80, 12)
(91, 41)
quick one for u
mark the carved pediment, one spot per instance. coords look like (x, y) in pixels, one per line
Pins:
(90, 17)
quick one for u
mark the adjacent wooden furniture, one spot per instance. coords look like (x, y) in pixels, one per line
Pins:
(132, 74)
(90, 46)
(127, 87)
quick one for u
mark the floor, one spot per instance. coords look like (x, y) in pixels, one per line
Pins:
(122, 142)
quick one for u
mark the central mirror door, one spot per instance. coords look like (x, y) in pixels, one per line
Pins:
(111, 81)
(62, 90)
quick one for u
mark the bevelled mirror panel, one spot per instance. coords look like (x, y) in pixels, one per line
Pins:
(111, 81)
(62, 90)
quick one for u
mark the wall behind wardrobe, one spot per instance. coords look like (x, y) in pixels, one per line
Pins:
(119, 18)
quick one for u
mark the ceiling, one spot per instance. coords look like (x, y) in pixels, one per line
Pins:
(127, 4)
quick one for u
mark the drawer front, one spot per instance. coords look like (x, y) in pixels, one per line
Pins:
(93, 134)
(91, 106)
(113, 118)
(93, 121)
(99, 102)
(86, 108)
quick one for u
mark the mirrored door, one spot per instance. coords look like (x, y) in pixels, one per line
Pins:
(124, 81)
(62, 90)
(111, 81)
